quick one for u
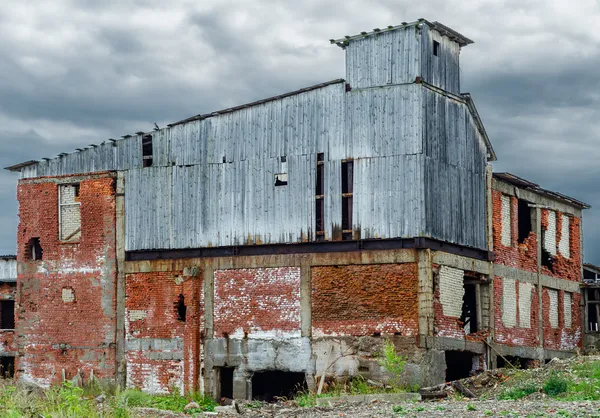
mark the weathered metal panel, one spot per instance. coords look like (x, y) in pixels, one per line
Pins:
(454, 164)
(443, 70)
(382, 122)
(388, 58)
(388, 196)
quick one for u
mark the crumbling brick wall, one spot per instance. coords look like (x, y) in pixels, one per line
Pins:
(516, 309)
(163, 322)
(558, 335)
(66, 301)
(562, 239)
(522, 256)
(257, 303)
(365, 299)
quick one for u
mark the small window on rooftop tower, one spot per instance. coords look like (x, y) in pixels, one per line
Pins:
(436, 48)
(147, 150)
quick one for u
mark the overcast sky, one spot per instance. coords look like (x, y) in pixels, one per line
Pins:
(73, 73)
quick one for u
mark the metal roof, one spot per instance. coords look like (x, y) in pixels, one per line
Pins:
(442, 29)
(258, 102)
(525, 184)
(18, 167)
(479, 122)
(8, 257)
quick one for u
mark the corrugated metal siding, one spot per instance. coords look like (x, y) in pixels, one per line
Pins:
(455, 161)
(388, 58)
(443, 70)
(8, 269)
(388, 196)
(382, 122)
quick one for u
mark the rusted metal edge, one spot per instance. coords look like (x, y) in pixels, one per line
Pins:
(312, 247)
(258, 102)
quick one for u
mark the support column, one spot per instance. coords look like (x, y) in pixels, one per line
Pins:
(426, 313)
(121, 360)
(540, 289)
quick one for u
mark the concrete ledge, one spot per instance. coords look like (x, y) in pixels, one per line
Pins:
(388, 397)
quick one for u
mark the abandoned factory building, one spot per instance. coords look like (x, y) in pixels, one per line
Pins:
(249, 250)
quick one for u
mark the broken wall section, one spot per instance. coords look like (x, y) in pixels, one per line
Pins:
(516, 308)
(562, 319)
(66, 288)
(561, 245)
(515, 241)
(163, 322)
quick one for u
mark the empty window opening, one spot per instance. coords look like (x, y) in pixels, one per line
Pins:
(436, 48)
(547, 259)
(7, 314)
(147, 152)
(180, 308)
(320, 198)
(273, 385)
(34, 250)
(459, 365)
(469, 308)
(7, 367)
(347, 195)
(518, 362)
(524, 216)
(69, 217)
(225, 382)
(281, 179)
(593, 309)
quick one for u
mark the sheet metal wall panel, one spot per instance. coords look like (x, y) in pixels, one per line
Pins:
(8, 269)
(387, 58)
(383, 122)
(443, 70)
(388, 196)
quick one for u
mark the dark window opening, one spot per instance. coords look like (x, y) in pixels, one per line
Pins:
(273, 385)
(180, 308)
(547, 259)
(524, 216)
(518, 362)
(7, 314)
(225, 383)
(147, 150)
(281, 179)
(436, 48)
(7, 367)
(589, 276)
(459, 365)
(347, 196)
(320, 198)
(469, 309)
(593, 309)
(34, 250)
(76, 190)
(283, 159)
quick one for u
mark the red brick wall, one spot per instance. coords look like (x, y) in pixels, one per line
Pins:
(152, 365)
(518, 335)
(262, 302)
(362, 300)
(565, 268)
(54, 335)
(522, 256)
(562, 338)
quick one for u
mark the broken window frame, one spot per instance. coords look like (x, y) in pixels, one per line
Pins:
(524, 224)
(281, 178)
(347, 174)
(77, 203)
(34, 250)
(592, 324)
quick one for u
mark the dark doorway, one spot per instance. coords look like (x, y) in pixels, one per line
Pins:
(7, 314)
(459, 365)
(226, 382)
(7, 367)
(268, 386)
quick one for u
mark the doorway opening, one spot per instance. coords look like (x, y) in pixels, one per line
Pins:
(225, 382)
(271, 385)
(459, 365)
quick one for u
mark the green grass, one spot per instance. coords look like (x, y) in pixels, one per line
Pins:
(69, 401)
(518, 392)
